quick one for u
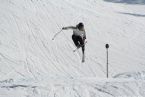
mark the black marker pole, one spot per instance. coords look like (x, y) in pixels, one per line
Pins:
(107, 46)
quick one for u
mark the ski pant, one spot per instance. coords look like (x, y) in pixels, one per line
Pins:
(78, 41)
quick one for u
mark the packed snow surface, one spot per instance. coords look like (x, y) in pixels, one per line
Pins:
(34, 65)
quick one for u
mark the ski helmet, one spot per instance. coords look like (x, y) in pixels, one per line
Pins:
(80, 25)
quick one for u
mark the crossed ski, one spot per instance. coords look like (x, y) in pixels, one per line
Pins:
(79, 46)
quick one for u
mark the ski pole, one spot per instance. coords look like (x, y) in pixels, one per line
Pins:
(56, 34)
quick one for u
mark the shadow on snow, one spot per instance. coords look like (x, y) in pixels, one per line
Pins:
(133, 14)
(127, 1)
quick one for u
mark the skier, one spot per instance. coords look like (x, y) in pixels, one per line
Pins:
(78, 37)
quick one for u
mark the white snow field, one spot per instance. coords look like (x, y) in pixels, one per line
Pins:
(34, 65)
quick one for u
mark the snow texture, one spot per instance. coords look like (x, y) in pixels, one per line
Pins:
(34, 65)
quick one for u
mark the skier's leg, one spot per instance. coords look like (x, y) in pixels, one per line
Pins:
(81, 41)
(83, 53)
(75, 40)
(83, 48)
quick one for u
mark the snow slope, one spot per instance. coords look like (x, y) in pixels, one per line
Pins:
(35, 66)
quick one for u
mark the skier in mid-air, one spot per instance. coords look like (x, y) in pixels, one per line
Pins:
(78, 37)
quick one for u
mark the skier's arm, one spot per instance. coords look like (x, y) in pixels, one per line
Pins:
(69, 27)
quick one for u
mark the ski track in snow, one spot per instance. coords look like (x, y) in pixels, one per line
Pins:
(75, 88)
(32, 65)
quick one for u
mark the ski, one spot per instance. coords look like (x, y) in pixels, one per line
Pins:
(83, 54)
(79, 47)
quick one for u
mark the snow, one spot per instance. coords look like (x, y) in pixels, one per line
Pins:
(34, 65)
